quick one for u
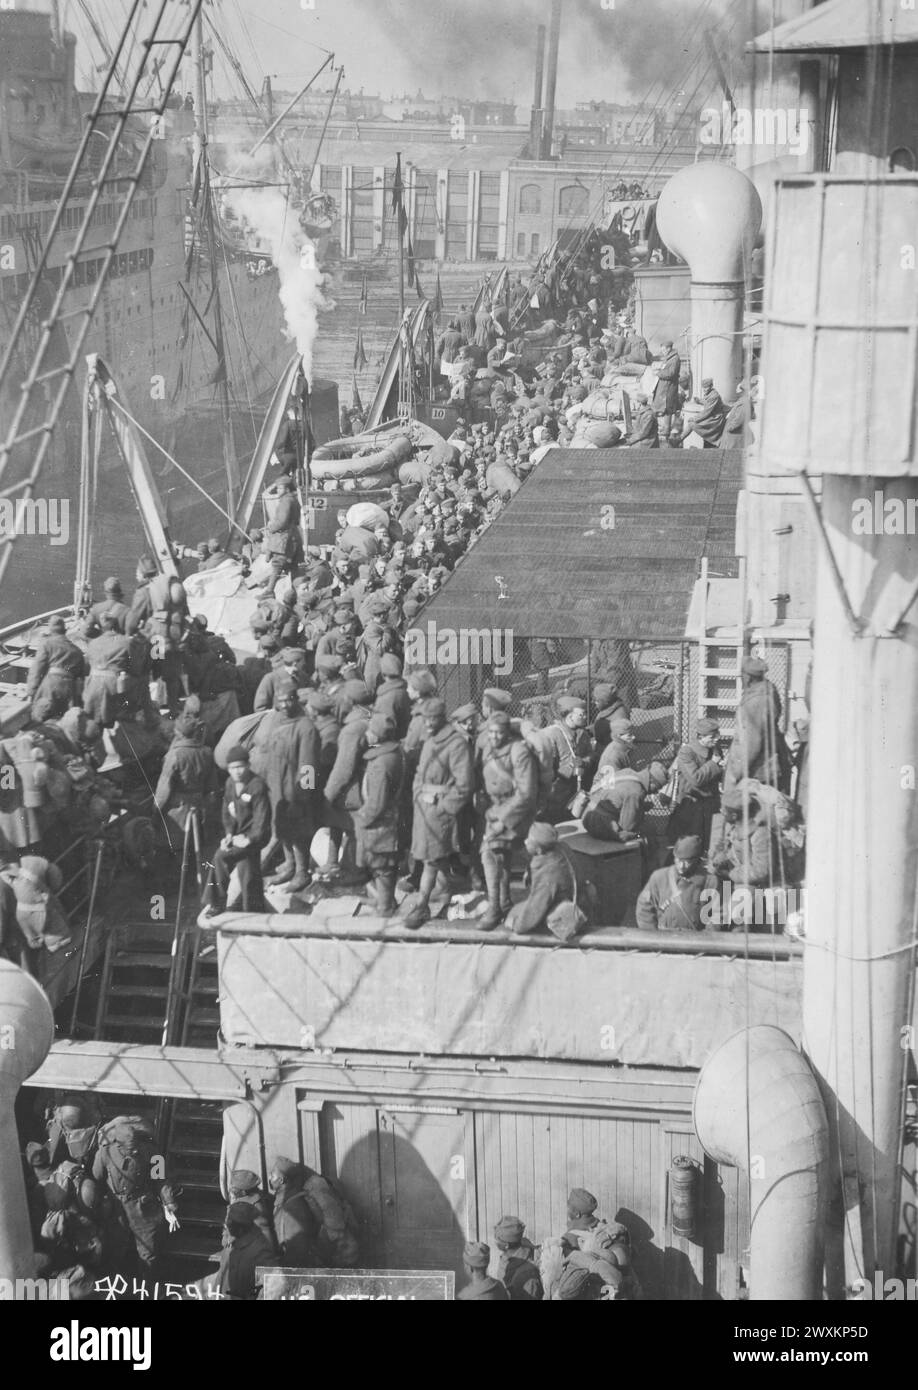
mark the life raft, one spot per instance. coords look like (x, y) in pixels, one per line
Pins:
(341, 459)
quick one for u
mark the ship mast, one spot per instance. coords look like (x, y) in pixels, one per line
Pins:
(201, 165)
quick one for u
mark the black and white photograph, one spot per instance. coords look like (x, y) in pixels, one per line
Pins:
(459, 667)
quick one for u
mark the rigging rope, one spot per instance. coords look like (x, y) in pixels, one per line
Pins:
(175, 463)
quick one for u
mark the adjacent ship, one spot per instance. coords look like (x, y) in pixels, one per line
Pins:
(156, 317)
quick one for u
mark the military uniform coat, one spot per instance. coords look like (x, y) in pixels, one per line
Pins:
(294, 745)
(552, 882)
(378, 815)
(669, 902)
(238, 1262)
(444, 772)
(511, 784)
(758, 748)
(392, 698)
(342, 790)
(666, 392)
(296, 1229)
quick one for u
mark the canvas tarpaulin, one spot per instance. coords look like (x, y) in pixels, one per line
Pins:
(491, 999)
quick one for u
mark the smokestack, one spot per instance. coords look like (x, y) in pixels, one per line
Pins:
(551, 79)
(535, 120)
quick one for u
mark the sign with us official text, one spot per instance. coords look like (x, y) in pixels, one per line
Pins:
(357, 1285)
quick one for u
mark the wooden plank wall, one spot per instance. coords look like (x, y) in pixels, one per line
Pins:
(525, 1164)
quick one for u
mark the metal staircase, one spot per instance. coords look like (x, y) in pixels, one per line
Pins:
(159, 986)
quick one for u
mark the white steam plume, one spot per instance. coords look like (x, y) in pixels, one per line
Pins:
(274, 222)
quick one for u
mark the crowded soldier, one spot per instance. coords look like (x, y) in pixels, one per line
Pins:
(355, 738)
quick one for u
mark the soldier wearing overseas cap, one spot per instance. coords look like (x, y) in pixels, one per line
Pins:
(246, 815)
(342, 790)
(320, 707)
(245, 1188)
(699, 769)
(113, 602)
(295, 1224)
(289, 666)
(618, 751)
(377, 817)
(465, 719)
(758, 749)
(551, 880)
(748, 857)
(510, 778)
(517, 1268)
(392, 696)
(475, 1260)
(565, 749)
(290, 769)
(442, 786)
(675, 898)
(56, 674)
(644, 427)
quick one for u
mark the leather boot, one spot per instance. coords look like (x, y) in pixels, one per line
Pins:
(493, 916)
(285, 872)
(384, 885)
(302, 877)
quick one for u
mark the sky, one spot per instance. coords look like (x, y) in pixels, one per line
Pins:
(613, 50)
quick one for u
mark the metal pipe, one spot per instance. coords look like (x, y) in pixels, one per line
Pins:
(535, 119)
(758, 1108)
(551, 80)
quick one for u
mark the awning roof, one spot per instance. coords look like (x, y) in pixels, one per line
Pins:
(840, 24)
(565, 574)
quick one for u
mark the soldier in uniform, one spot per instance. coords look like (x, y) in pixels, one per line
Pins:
(671, 899)
(566, 748)
(244, 1187)
(291, 769)
(475, 1260)
(511, 785)
(245, 1247)
(56, 673)
(112, 603)
(517, 1268)
(247, 826)
(392, 696)
(700, 769)
(187, 773)
(109, 657)
(295, 1225)
(442, 786)
(282, 543)
(551, 880)
(377, 817)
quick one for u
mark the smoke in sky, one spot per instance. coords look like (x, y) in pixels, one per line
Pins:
(268, 213)
(486, 48)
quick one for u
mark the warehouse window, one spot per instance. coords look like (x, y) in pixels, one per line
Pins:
(573, 201)
(530, 198)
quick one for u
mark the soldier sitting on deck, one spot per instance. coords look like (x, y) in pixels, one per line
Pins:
(672, 899)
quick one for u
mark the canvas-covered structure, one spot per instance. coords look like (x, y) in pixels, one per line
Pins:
(587, 576)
